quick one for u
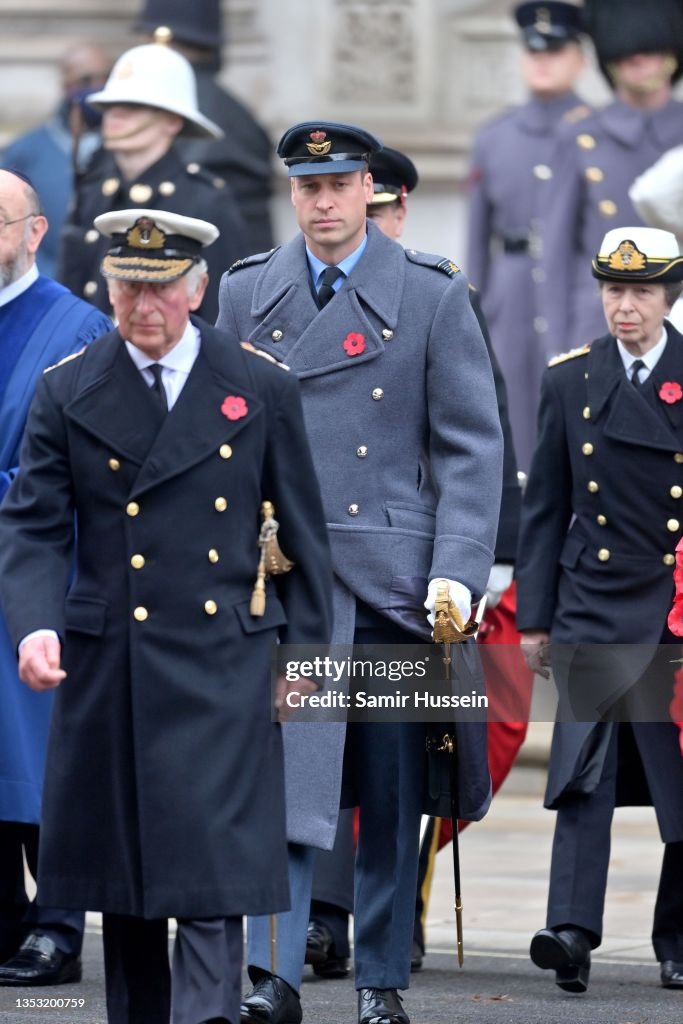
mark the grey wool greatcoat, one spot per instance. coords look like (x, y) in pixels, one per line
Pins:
(601, 518)
(164, 782)
(401, 414)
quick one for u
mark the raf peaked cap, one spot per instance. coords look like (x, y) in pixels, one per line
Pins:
(550, 25)
(152, 245)
(323, 147)
(639, 254)
(394, 175)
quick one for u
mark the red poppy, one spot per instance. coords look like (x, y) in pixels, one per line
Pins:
(354, 344)
(671, 392)
(234, 407)
(675, 617)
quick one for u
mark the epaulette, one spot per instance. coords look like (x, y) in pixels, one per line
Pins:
(251, 261)
(248, 347)
(426, 259)
(577, 113)
(572, 354)
(66, 359)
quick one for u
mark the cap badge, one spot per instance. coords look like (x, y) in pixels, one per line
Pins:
(543, 23)
(145, 235)
(627, 256)
(318, 146)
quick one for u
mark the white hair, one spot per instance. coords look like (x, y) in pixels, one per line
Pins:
(194, 276)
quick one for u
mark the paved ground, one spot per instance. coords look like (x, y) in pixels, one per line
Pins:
(505, 862)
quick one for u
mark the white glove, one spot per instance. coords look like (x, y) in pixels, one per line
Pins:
(459, 595)
(500, 579)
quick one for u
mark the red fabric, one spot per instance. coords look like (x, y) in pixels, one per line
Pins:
(675, 624)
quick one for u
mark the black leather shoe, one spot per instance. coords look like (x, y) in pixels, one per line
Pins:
(567, 951)
(416, 956)
(380, 1006)
(671, 973)
(321, 952)
(271, 1001)
(38, 961)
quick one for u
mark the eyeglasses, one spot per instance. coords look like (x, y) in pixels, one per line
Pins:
(6, 223)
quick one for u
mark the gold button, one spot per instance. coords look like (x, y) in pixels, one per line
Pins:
(220, 504)
(543, 172)
(132, 508)
(585, 141)
(110, 186)
(669, 559)
(676, 491)
(140, 614)
(603, 555)
(586, 412)
(213, 556)
(377, 394)
(587, 448)
(137, 561)
(353, 510)
(362, 451)
(218, 182)
(607, 207)
(673, 525)
(540, 324)
(92, 235)
(140, 193)
(166, 188)
(595, 173)
(193, 168)
(593, 486)
(601, 520)
(114, 465)
(678, 457)
(225, 451)
(210, 607)
(277, 335)
(387, 334)
(89, 288)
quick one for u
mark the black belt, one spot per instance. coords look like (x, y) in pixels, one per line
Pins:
(515, 243)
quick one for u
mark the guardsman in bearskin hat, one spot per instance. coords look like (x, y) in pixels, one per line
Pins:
(149, 100)
(640, 51)
(510, 170)
(601, 517)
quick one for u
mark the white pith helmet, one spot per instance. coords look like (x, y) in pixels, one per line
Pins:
(154, 75)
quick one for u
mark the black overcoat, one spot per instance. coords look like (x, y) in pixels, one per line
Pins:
(164, 791)
(601, 518)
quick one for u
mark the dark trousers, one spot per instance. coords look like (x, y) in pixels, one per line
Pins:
(19, 916)
(580, 859)
(332, 900)
(204, 984)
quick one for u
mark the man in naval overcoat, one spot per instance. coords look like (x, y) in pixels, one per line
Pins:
(401, 414)
(164, 781)
(601, 518)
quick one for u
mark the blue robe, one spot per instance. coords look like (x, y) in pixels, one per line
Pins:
(37, 329)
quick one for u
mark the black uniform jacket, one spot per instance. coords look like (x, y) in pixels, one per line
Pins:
(164, 791)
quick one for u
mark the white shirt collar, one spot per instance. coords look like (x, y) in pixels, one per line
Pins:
(16, 288)
(181, 357)
(650, 358)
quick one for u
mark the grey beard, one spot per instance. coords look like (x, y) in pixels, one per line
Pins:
(11, 271)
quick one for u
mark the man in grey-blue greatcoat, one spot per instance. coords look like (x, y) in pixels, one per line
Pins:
(401, 413)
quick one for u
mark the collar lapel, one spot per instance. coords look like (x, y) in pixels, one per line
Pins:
(669, 369)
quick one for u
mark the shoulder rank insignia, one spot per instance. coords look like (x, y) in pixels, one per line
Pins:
(248, 347)
(251, 261)
(426, 259)
(577, 113)
(66, 359)
(572, 354)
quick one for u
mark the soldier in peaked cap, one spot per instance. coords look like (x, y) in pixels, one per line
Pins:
(640, 49)
(164, 790)
(594, 575)
(509, 172)
(243, 156)
(388, 350)
(148, 102)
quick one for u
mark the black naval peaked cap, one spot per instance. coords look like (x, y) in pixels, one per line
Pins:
(198, 24)
(325, 147)
(621, 28)
(394, 175)
(550, 25)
